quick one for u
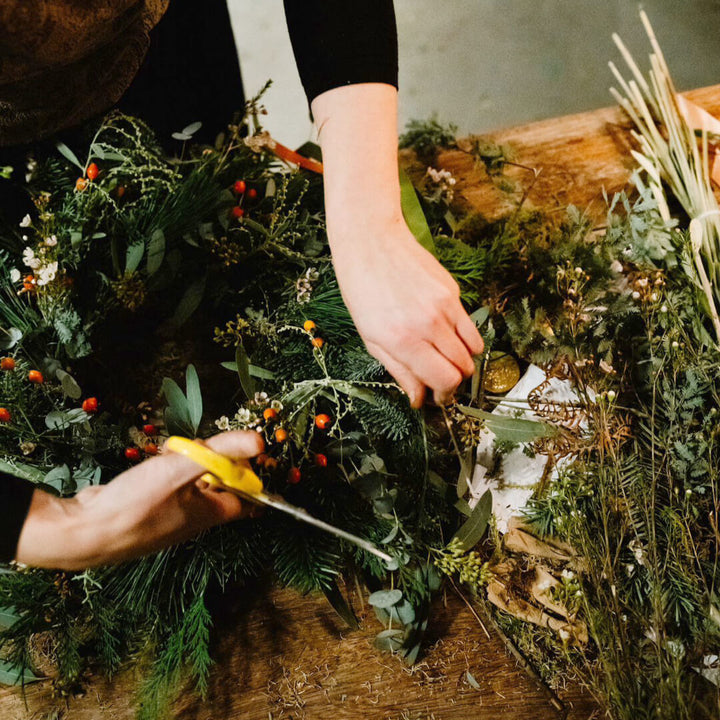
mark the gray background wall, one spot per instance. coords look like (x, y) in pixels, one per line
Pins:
(486, 64)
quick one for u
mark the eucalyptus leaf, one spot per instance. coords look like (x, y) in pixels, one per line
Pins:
(9, 338)
(68, 384)
(385, 598)
(480, 316)
(22, 470)
(13, 675)
(8, 617)
(474, 527)
(156, 251)
(58, 478)
(509, 429)
(68, 154)
(242, 362)
(63, 419)
(194, 397)
(192, 128)
(134, 255)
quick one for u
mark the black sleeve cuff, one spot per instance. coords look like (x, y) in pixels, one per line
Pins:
(15, 497)
(343, 42)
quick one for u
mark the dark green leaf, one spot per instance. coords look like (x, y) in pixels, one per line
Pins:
(474, 527)
(340, 604)
(413, 213)
(189, 302)
(242, 361)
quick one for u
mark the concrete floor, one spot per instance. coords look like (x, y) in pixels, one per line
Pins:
(486, 64)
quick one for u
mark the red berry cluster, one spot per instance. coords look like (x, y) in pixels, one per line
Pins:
(243, 192)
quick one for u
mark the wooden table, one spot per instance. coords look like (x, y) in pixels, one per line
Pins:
(280, 655)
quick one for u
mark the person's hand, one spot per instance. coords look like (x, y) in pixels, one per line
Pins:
(406, 307)
(154, 505)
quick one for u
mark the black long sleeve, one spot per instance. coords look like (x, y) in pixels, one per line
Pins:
(15, 496)
(343, 42)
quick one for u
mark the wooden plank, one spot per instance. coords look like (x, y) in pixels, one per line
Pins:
(280, 655)
(576, 157)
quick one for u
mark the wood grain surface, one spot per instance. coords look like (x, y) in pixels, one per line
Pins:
(283, 656)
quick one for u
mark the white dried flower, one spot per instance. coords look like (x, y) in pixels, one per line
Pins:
(15, 275)
(616, 266)
(30, 260)
(26, 221)
(223, 423)
(635, 295)
(46, 274)
(51, 241)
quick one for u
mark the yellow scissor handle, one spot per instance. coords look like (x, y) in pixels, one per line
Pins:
(223, 471)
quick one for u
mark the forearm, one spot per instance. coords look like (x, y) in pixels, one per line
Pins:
(52, 535)
(357, 126)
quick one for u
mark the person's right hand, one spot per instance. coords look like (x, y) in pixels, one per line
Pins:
(151, 506)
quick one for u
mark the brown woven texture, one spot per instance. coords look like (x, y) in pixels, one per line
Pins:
(61, 63)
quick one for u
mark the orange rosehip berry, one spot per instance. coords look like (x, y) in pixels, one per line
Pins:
(132, 454)
(149, 429)
(271, 464)
(261, 459)
(237, 212)
(151, 449)
(92, 172)
(294, 476)
(269, 414)
(323, 421)
(318, 342)
(281, 435)
(239, 187)
(90, 405)
(321, 460)
(120, 191)
(81, 184)
(309, 325)
(35, 376)
(5, 415)
(7, 363)
(252, 193)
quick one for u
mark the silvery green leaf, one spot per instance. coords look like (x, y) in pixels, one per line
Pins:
(385, 598)
(156, 251)
(192, 128)
(63, 419)
(68, 154)
(12, 675)
(58, 478)
(68, 384)
(9, 338)
(194, 396)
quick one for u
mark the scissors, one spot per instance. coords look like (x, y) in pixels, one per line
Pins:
(237, 477)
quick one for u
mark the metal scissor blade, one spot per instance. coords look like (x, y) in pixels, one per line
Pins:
(303, 515)
(279, 503)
